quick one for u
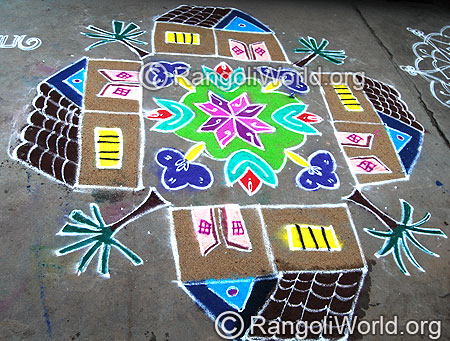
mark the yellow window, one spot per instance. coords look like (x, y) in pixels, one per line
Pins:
(108, 148)
(182, 38)
(312, 238)
(347, 98)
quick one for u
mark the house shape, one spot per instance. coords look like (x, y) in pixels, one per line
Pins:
(85, 127)
(299, 263)
(215, 32)
(379, 136)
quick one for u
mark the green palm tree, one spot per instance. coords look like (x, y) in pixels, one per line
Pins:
(101, 236)
(125, 35)
(396, 239)
(334, 56)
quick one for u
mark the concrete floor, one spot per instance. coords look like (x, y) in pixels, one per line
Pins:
(41, 296)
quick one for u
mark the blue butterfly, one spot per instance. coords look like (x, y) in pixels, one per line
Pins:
(288, 77)
(179, 173)
(320, 174)
(162, 74)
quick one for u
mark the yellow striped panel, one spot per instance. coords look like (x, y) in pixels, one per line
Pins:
(347, 98)
(108, 148)
(312, 238)
(182, 38)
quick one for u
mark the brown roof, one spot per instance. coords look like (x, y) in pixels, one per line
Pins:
(195, 15)
(49, 140)
(311, 296)
(387, 100)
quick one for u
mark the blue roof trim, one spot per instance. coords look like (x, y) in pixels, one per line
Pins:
(411, 151)
(236, 13)
(57, 80)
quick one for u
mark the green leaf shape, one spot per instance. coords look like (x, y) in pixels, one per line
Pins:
(182, 115)
(395, 241)
(274, 143)
(333, 56)
(234, 81)
(76, 229)
(285, 117)
(86, 259)
(119, 34)
(103, 240)
(104, 256)
(238, 163)
(83, 219)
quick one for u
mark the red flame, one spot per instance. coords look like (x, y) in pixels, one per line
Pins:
(224, 70)
(308, 117)
(159, 114)
(250, 182)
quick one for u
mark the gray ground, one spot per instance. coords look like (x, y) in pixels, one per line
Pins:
(41, 296)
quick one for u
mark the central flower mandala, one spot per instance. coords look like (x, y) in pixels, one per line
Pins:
(242, 121)
(233, 118)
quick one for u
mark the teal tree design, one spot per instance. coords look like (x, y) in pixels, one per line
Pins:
(125, 35)
(310, 46)
(396, 239)
(101, 236)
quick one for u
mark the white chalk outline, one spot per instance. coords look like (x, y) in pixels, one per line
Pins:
(359, 185)
(214, 30)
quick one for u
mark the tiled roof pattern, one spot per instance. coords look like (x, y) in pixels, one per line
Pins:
(49, 140)
(388, 101)
(195, 15)
(311, 297)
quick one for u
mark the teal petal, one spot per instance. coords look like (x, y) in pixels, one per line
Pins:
(236, 79)
(96, 213)
(407, 212)
(70, 228)
(422, 248)
(117, 27)
(81, 218)
(379, 234)
(104, 259)
(182, 115)
(99, 43)
(134, 258)
(237, 165)
(86, 259)
(96, 29)
(410, 256)
(77, 245)
(130, 27)
(422, 221)
(399, 260)
(285, 117)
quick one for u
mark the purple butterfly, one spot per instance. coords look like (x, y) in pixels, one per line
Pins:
(320, 174)
(179, 173)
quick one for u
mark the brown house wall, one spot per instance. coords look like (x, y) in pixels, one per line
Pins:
(127, 176)
(272, 44)
(207, 42)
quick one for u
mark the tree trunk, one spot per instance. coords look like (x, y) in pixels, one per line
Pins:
(142, 53)
(307, 60)
(151, 203)
(358, 198)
